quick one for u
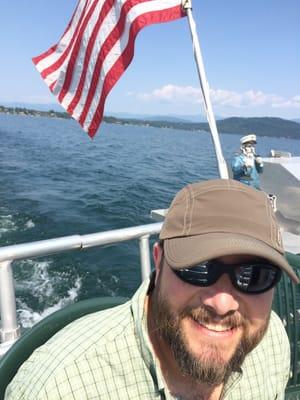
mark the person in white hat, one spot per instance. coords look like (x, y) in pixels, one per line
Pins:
(247, 165)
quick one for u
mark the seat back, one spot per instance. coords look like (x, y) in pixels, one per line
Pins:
(43, 330)
(287, 306)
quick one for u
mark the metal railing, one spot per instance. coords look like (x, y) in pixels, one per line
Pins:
(10, 330)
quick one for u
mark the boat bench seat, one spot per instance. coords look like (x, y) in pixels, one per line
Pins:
(43, 330)
(286, 304)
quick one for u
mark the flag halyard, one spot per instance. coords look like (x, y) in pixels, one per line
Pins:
(95, 50)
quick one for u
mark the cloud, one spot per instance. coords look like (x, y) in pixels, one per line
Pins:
(294, 102)
(174, 94)
(249, 98)
(190, 95)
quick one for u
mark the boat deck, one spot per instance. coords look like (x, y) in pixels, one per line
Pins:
(281, 177)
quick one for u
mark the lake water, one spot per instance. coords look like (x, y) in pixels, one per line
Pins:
(55, 181)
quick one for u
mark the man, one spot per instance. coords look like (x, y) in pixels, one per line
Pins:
(247, 165)
(201, 328)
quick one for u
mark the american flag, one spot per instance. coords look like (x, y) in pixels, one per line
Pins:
(94, 51)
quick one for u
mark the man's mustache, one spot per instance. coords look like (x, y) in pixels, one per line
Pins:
(206, 316)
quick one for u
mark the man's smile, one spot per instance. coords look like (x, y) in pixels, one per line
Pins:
(214, 329)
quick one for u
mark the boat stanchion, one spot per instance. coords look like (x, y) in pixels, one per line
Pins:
(145, 257)
(10, 330)
(223, 171)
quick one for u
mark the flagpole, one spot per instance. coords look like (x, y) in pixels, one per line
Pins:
(187, 6)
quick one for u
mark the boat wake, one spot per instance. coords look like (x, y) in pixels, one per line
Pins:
(27, 317)
(7, 223)
(37, 293)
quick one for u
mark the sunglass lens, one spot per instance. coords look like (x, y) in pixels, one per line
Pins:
(200, 275)
(256, 278)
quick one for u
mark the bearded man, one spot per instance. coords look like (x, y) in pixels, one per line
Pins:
(200, 329)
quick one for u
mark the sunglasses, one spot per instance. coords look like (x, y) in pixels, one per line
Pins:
(250, 278)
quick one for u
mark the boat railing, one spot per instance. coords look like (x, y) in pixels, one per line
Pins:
(10, 329)
(280, 154)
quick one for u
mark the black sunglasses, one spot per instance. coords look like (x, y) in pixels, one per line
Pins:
(250, 278)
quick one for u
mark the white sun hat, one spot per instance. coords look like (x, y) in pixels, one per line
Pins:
(248, 138)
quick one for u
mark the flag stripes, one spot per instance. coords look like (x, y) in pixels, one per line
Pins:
(94, 51)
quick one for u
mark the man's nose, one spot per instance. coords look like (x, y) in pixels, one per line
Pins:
(221, 297)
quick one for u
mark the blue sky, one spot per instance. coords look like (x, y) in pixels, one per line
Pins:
(251, 53)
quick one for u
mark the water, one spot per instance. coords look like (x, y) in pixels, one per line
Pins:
(55, 181)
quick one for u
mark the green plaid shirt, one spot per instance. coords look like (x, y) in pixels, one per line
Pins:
(108, 355)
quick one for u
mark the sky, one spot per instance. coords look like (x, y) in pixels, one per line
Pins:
(251, 53)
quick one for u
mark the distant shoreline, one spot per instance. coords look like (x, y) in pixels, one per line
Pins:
(261, 126)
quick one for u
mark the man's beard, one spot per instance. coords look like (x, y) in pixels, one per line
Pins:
(209, 368)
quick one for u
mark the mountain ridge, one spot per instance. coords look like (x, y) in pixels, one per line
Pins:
(261, 126)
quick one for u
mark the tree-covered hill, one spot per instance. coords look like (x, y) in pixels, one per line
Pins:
(264, 126)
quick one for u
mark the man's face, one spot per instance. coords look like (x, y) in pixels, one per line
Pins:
(208, 329)
(249, 148)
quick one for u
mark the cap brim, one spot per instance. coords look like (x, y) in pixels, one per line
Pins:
(188, 251)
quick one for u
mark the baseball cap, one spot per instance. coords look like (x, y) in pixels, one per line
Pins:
(222, 217)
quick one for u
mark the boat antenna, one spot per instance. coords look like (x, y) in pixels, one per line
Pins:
(187, 6)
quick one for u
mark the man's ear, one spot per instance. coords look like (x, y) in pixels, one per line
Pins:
(157, 254)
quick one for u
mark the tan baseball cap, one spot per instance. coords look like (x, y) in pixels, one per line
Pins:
(222, 217)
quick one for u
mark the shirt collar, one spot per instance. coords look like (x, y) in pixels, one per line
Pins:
(145, 346)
